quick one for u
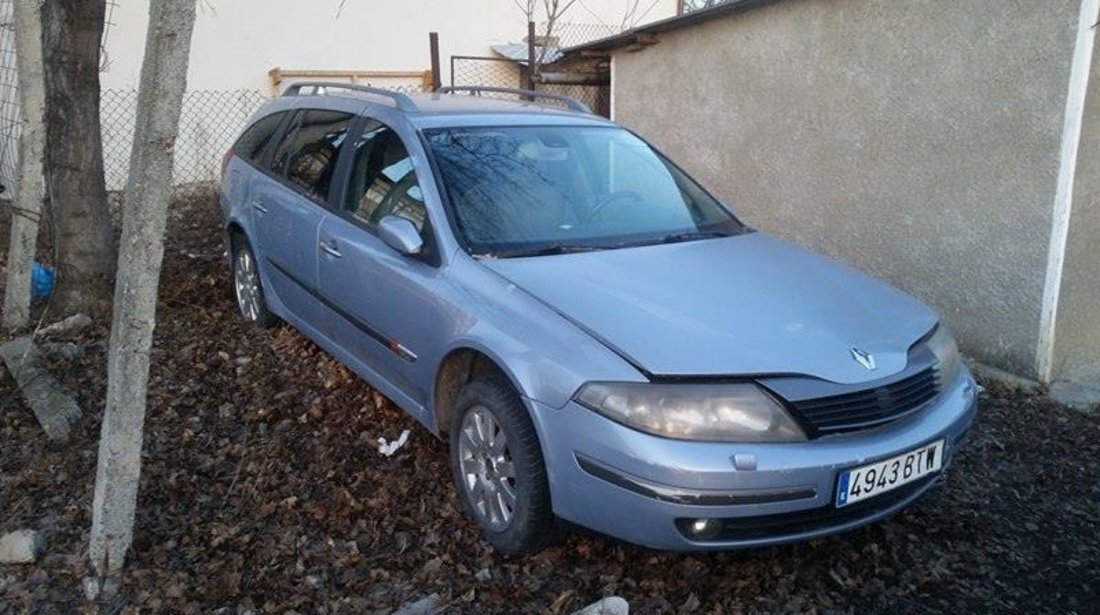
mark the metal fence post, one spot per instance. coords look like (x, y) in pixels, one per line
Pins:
(530, 55)
(433, 44)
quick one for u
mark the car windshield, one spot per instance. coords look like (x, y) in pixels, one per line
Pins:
(529, 190)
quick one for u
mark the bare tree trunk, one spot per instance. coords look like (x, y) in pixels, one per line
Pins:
(27, 208)
(163, 71)
(83, 233)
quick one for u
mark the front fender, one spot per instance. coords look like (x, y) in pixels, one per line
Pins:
(546, 357)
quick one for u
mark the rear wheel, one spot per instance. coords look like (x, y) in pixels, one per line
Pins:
(247, 287)
(499, 470)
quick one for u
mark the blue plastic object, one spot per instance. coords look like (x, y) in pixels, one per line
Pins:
(42, 279)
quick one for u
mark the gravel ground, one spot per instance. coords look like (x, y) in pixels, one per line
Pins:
(262, 489)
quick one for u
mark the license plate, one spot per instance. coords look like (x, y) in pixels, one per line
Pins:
(873, 479)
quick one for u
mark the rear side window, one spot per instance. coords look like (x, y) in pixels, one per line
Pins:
(383, 181)
(254, 141)
(307, 155)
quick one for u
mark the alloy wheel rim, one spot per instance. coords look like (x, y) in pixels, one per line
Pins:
(488, 471)
(247, 286)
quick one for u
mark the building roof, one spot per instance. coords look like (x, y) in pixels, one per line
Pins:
(517, 52)
(635, 35)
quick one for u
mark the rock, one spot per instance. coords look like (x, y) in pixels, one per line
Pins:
(66, 350)
(53, 406)
(483, 575)
(91, 588)
(612, 605)
(433, 565)
(70, 326)
(20, 547)
(424, 606)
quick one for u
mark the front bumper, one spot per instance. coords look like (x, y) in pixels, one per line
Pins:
(643, 488)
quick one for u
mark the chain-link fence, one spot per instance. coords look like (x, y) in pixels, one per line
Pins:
(9, 98)
(10, 125)
(510, 70)
(596, 97)
(506, 73)
(486, 71)
(571, 34)
(209, 122)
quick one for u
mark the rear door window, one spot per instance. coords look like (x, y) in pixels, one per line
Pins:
(253, 143)
(306, 157)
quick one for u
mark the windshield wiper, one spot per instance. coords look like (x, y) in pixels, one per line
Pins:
(691, 236)
(679, 237)
(559, 247)
(550, 249)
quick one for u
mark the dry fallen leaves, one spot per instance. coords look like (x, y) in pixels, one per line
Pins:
(262, 488)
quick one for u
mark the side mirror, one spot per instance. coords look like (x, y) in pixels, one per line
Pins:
(400, 234)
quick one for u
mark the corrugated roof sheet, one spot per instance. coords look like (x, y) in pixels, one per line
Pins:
(517, 52)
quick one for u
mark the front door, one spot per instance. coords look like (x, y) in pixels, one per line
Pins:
(386, 298)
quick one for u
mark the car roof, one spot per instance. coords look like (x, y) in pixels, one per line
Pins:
(437, 109)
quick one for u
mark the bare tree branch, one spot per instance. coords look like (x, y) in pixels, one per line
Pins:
(527, 8)
(555, 9)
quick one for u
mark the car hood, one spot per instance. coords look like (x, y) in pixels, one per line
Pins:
(743, 305)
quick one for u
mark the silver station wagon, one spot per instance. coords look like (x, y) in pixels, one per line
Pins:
(600, 339)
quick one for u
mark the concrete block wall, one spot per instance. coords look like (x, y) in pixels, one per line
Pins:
(919, 141)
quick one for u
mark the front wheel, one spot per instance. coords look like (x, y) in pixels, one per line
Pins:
(499, 470)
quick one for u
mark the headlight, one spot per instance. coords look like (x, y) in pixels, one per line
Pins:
(711, 412)
(942, 344)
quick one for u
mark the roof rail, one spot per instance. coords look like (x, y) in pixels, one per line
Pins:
(403, 102)
(476, 90)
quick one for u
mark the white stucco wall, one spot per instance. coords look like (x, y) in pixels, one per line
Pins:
(236, 42)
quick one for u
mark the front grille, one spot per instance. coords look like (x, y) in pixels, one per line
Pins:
(814, 519)
(869, 407)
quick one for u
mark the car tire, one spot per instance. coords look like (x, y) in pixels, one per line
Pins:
(489, 472)
(247, 288)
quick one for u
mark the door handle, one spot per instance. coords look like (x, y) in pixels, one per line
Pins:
(260, 208)
(330, 249)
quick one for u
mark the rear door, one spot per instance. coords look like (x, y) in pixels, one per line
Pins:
(289, 203)
(250, 154)
(391, 318)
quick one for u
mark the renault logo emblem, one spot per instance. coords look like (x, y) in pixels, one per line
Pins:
(865, 359)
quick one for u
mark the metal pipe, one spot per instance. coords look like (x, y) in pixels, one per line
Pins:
(433, 45)
(530, 55)
(575, 78)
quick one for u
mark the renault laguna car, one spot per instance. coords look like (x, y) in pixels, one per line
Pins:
(600, 340)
